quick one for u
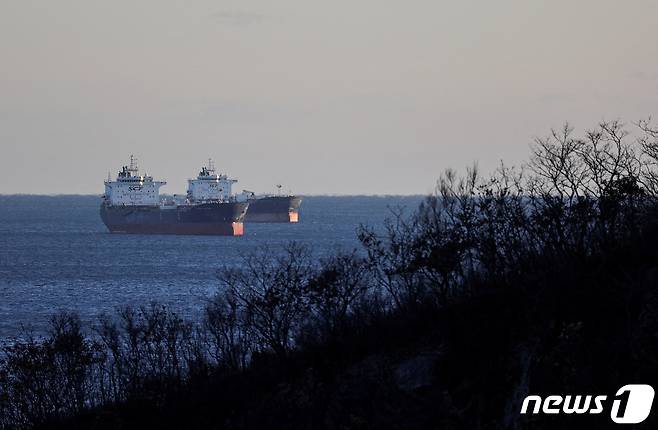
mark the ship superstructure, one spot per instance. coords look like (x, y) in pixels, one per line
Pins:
(132, 189)
(210, 186)
(132, 204)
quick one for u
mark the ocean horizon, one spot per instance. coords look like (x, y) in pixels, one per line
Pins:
(56, 254)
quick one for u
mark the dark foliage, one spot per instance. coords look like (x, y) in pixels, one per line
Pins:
(535, 280)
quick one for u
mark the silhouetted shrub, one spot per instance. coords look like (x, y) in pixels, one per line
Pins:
(50, 378)
(271, 294)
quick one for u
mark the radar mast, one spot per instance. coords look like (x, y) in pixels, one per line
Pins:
(211, 166)
(133, 169)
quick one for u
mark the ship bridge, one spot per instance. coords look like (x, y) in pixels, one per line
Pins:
(210, 186)
(132, 189)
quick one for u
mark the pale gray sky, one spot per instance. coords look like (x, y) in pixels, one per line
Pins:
(339, 97)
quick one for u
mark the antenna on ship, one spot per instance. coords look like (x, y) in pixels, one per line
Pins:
(109, 178)
(211, 166)
(133, 164)
(278, 189)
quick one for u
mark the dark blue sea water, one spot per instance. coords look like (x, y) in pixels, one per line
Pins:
(55, 254)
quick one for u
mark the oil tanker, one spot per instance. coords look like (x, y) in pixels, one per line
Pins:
(273, 208)
(132, 204)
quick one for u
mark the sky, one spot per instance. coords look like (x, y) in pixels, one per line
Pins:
(331, 97)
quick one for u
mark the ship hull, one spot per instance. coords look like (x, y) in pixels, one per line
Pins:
(222, 219)
(275, 209)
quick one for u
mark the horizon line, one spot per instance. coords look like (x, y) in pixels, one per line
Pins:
(167, 194)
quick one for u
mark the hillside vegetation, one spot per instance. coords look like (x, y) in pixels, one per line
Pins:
(539, 279)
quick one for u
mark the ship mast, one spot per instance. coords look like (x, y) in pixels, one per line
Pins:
(133, 169)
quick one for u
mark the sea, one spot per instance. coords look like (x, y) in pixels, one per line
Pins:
(56, 255)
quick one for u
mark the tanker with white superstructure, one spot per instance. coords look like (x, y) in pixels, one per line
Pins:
(132, 204)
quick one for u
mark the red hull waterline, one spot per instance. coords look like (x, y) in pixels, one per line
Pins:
(215, 229)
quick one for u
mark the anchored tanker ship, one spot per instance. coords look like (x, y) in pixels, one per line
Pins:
(131, 204)
(277, 208)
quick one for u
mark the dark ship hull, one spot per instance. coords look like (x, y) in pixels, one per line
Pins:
(224, 219)
(274, 209)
